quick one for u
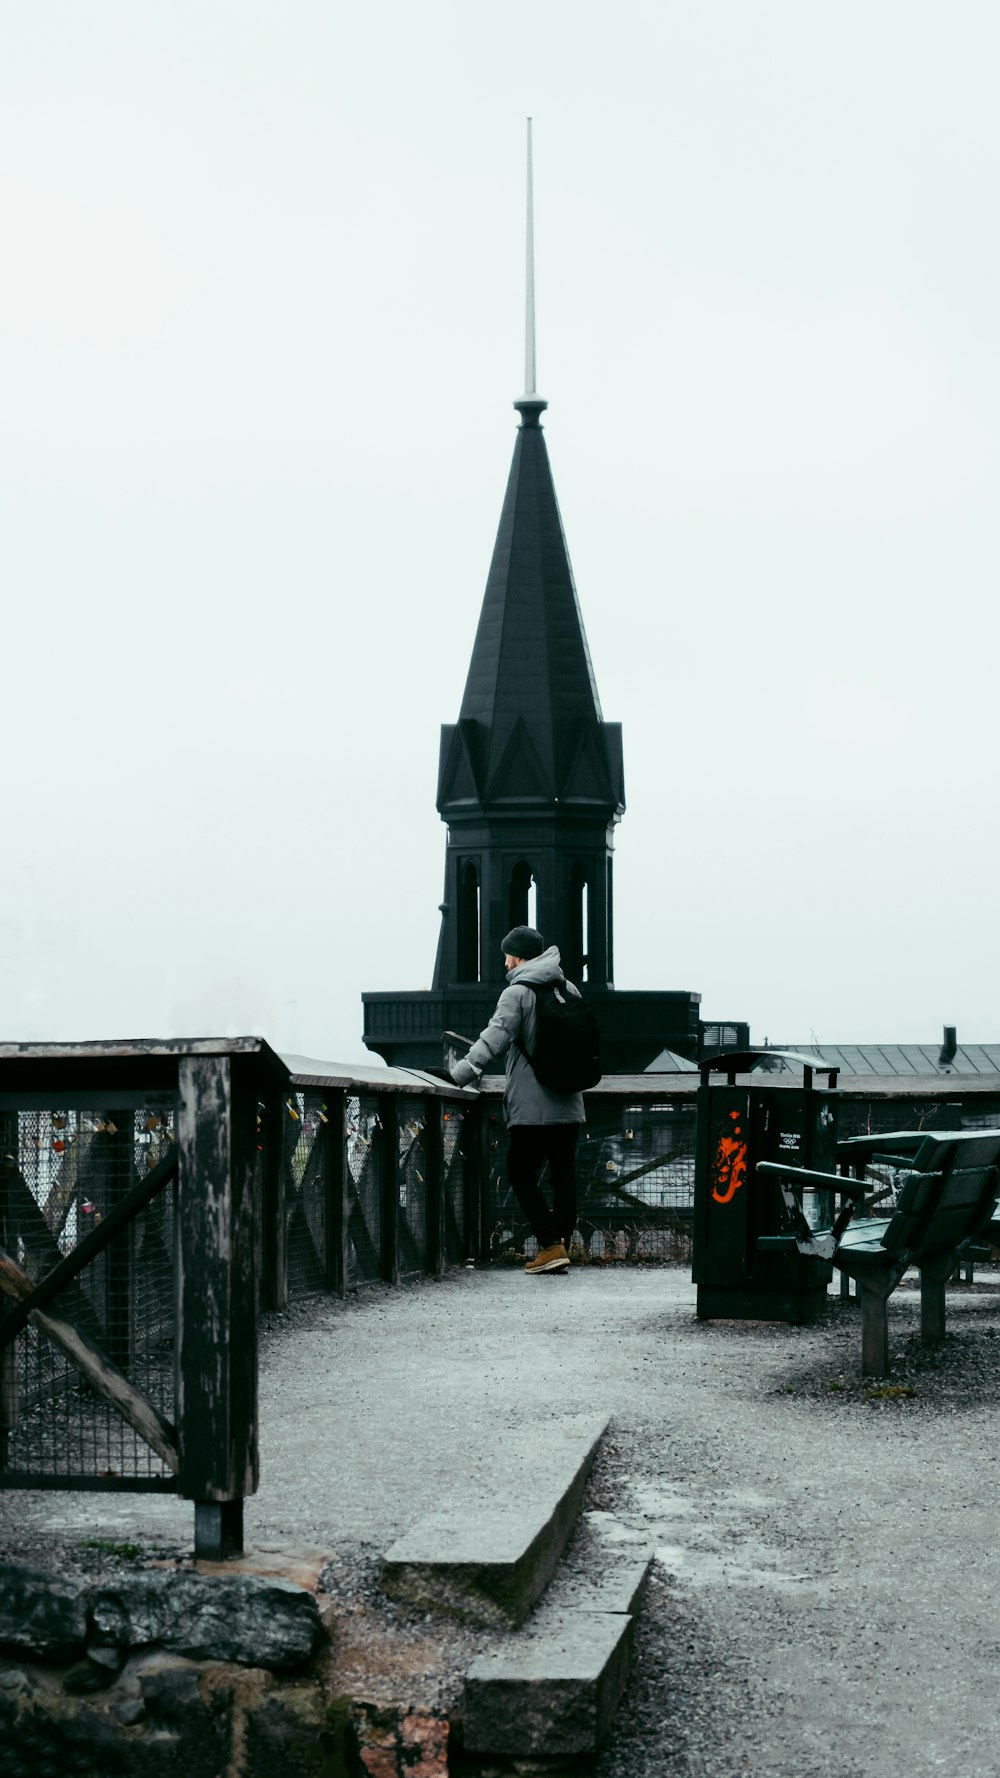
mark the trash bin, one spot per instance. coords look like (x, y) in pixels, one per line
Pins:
(739, 1125)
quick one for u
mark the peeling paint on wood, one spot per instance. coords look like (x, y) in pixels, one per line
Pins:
(217, 1355)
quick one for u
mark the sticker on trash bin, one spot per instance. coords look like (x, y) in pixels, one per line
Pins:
(730, 1163)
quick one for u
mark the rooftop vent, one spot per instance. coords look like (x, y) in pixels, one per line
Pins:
(949, 1048)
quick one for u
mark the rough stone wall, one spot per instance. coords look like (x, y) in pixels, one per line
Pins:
(163, 1671)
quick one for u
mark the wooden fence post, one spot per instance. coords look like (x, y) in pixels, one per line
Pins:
(476, 1149)
(335, 1180)
(9, 1150)
(388, 1164)
(216, 1320)
(434, 1186)
(274, 1244)
(119, 1308)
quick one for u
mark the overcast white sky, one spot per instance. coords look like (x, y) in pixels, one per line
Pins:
(260, 331)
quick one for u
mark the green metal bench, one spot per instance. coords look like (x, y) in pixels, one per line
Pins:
(947, 1197)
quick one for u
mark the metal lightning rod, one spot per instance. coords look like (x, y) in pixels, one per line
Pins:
(529, 309)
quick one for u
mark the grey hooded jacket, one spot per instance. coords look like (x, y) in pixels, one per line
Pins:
(526, 1101)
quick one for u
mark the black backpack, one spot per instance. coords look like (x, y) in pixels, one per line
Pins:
(567, 1053)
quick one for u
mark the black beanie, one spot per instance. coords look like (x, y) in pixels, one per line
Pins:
(523, 942)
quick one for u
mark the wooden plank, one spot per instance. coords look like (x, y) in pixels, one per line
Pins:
(217, 1332)
(388, 1166)
(274, 1121)
(311, 1186)
(9, 1403)
(119, 1279)
(473, 1186)
(101, 1373)
(434, 1187)
(480, 1228)
(360, 1237)
(337, 1177)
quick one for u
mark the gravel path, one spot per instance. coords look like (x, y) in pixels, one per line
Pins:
(824, 1598)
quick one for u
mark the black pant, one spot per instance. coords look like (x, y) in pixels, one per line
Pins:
(528, 1145)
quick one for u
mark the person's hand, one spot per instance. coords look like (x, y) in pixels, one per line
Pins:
(464, 1074)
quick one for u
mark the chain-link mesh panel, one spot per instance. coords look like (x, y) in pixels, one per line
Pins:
(412, 1139)
(364, 1226)
(305, 1157)
(456, 1246)
(635, 1183)
(70, 1169)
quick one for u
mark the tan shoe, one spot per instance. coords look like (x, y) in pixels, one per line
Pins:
(549, 1259)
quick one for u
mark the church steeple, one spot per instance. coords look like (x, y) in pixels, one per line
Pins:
(530, 784)
(530, 779)
(530, 729)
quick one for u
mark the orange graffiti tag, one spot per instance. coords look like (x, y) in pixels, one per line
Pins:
(730, 1164)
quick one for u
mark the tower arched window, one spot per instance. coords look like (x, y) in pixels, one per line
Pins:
(522, 899)
(468, 924)
(578, 937)
(609, 917)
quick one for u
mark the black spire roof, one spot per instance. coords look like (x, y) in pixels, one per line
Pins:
(530, 729)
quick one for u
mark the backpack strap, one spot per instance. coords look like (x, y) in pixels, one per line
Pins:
(517, 1040)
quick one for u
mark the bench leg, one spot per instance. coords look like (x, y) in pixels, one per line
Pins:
(932, 1283)
(874, 1332)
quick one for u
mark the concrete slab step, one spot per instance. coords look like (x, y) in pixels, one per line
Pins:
(554, 1688)
(552, 1693)
(491, 1566)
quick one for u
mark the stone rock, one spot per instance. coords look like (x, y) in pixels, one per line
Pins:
(389, 1741)
(109, 1622)
(424, 1742)
(41, 1614)
(242, 1618)
(170, 1691)
(130, 1711)
(286, 1730)
(87, 1677)
(111, 1659)
(14, 1682)
(187, 1713)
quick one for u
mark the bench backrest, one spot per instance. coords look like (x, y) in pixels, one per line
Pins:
(919, 1193)
(936, 1216)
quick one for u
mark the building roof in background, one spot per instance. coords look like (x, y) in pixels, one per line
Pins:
(902, 1060)
(669, 1062)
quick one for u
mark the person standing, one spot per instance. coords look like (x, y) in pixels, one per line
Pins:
(542, 1125)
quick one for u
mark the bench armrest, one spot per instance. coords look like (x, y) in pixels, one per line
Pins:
(830, 1182)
